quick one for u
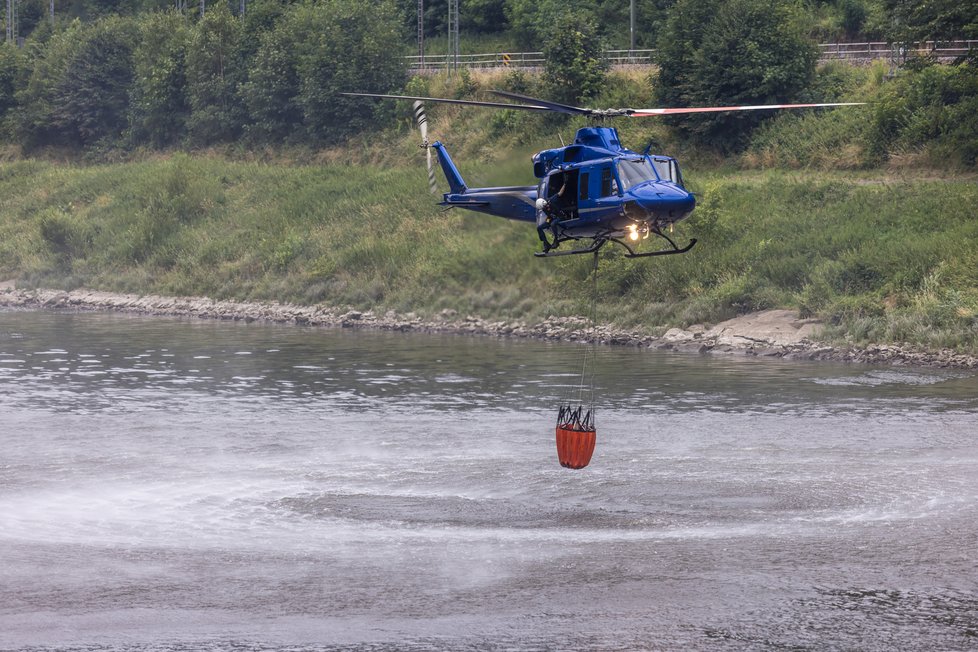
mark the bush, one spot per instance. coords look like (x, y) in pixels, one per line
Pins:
(740, 52)
(932, 110)
(215, 68)
(574, 69)
(316, 52)
(159, 106)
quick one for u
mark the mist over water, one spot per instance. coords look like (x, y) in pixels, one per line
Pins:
(184, 485)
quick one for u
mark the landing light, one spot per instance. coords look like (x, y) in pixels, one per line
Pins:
(632, 232)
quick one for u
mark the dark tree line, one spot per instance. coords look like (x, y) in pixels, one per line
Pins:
(162, 78)
(128, 74)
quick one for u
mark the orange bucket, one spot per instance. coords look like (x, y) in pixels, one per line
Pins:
(575, 447)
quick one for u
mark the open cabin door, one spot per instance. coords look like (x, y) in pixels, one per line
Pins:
(563, 203)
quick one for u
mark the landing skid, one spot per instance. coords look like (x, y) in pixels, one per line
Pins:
(599, 242)
(595, 245)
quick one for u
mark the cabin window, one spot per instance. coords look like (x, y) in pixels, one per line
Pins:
(608, 185)
(583, 185)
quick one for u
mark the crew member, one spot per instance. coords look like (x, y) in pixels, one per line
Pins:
(548, 212)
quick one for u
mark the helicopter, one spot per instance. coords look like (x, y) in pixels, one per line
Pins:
(591, 192)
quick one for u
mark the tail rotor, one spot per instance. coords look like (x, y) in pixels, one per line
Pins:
(422, 120)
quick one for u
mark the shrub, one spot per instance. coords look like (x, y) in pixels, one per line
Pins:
(573, 68)
(159, 106)
(740, 52)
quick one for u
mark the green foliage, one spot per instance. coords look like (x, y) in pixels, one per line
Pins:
(533, 22)
(13, 77)
(66, 236)
(868, 257)
(742, 52)
(159, 107)
(482, 16)
(272, 90)
(349, 48)
(819, 138)
(78, 89)
(316, 52)
(573, 70)
(853, 16)
(912, 20)
(932, 110)
(215, 68)
(91, 100)
(35, 120)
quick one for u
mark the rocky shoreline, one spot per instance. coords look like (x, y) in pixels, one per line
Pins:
(772, 333)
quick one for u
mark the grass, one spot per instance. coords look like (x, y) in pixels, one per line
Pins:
(881, 259)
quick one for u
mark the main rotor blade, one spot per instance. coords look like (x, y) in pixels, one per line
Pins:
(553, 106)
(643, 113)
(445, 100)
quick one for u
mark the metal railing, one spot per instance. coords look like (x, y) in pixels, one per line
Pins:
(431, 63)
(881, 50)
(869, 51)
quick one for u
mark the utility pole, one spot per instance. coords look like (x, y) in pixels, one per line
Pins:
(241, 7)
(12, 7)
(453, 48)
(421, 34)
(631, 23)
(51, 6)
(202, 3)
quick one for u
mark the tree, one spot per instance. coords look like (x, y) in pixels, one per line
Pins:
(742, 52)
(272, 90)
(350, 47)
(573, 68)
(314, 53)
(913, 20)
(12, 78)
(92, 99)
(78, 89)
(159, 106)
(215, 68)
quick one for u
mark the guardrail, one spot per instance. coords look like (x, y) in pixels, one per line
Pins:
(869, 51)
(881, 50)
(431, 63)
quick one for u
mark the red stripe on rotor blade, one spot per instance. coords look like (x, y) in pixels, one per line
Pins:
(641, 113)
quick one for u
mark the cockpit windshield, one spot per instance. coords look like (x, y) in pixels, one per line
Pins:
(635, 171)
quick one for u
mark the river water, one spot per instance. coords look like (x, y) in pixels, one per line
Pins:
(185, 485)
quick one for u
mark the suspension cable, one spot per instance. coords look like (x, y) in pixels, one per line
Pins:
(590, 348)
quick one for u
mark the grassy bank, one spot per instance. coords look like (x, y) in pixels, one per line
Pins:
(880, 258)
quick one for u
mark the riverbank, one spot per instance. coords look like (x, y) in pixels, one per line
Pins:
(769, 333)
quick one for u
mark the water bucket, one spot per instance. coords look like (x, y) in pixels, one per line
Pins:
(575, 447)
(575, 436)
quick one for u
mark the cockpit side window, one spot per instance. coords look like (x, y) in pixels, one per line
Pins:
(662, 167)
(668, 170)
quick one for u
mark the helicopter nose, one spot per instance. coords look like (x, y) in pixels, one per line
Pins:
(665, 203)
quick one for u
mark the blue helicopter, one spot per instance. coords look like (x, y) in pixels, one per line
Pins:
(593, 191)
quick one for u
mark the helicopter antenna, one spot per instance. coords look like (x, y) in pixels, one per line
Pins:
(561, 139)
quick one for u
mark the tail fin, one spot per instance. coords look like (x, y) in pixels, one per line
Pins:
(448, 167)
